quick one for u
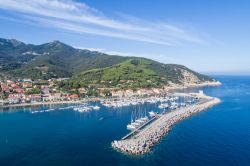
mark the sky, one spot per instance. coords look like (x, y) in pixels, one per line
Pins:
(208, 36)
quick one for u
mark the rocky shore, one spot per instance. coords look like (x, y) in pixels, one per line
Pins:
(192, 85)
(143, 141)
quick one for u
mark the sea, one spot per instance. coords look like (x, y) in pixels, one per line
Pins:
(216, 137)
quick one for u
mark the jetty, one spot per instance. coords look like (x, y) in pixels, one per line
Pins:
(142, 140)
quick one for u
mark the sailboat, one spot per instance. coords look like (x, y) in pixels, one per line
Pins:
(163, 105)
(131, 126)
(138, 118)
(152, 114)
(145, 118)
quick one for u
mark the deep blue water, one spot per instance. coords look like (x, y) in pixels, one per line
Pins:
(219, 136)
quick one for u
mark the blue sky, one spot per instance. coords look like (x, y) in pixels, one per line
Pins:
(208, 36)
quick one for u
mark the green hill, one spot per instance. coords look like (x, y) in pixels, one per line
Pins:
(84, 67)
(135, 73)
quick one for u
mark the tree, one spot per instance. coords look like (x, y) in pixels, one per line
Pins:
(92, 92)
(106, 92)
(33, 91)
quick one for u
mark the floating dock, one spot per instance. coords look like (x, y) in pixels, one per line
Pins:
(141, 141)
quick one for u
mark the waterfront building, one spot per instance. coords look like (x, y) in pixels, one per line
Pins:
(35, 97)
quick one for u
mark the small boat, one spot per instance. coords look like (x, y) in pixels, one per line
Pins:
(96, 107)
(163, 106)
(34, 112)
(131, 127)
(152, 114)
(145, 119)
(136, 124)
(140, 121)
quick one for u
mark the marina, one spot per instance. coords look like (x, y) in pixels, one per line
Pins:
(136, 100)
(140, 116)
(141, 140)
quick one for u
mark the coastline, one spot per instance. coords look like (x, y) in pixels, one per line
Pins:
(142, 142)
(167, 89)
(40, 103)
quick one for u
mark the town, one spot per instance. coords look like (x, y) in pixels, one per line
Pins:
(32, 91)
(28, 91)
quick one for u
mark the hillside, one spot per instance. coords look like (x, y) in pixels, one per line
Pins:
(84, 67)
(137, 72)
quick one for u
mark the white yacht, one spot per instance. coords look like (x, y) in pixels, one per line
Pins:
(96, 107)
(163, 105)
(152, 114)
(131, 127)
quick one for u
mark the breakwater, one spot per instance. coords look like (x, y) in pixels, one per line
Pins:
(143, 141)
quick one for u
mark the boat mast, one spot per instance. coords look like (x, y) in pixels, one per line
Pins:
(132, 117)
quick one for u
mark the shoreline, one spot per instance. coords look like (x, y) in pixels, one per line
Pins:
(40, 103)
(142, 142)
(168, 89)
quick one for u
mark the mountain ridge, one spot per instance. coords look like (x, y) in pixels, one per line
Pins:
(23, 61)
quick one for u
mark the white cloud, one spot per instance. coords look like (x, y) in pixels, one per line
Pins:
(80, 18)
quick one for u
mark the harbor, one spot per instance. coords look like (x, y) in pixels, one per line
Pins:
(141, 140)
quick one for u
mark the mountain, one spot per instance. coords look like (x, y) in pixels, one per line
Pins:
(84, 67)
(48, 60)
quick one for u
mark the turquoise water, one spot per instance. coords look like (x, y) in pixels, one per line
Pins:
(219, 136)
